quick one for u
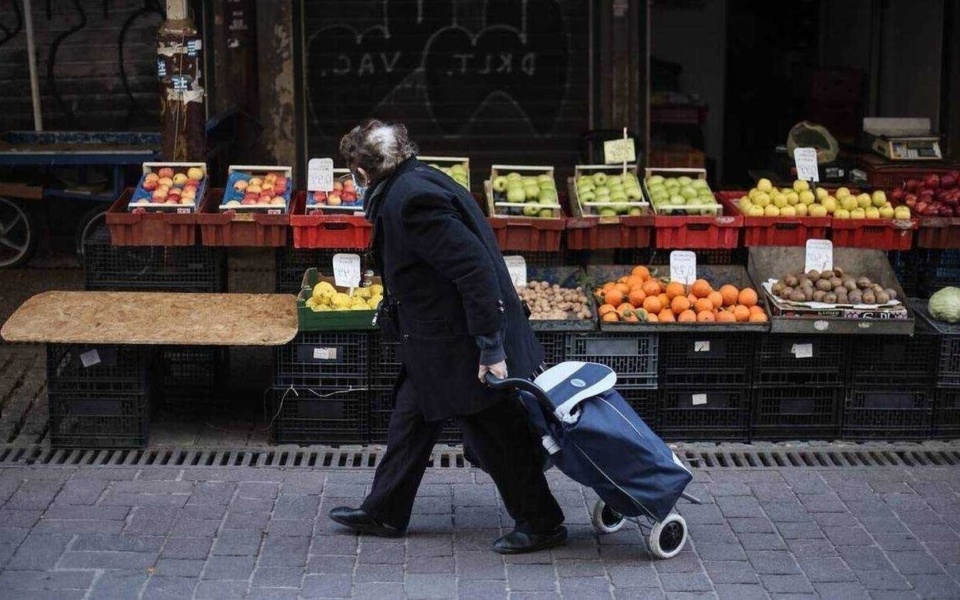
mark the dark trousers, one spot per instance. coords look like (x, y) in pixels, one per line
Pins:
(499, 439)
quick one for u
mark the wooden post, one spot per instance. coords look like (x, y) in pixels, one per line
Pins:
(180, 64)
(623, 59)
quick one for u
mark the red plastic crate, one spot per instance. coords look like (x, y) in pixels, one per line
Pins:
(697, 232)
(230, 228)
(775, 231)
(878, 234)
(606, 233)
(528, 234)
(329, 231)
(939, 233)
(150, 228)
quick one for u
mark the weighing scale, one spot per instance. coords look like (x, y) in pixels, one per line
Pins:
(902, 139)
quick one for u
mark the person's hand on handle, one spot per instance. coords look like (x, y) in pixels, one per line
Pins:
(499, 370)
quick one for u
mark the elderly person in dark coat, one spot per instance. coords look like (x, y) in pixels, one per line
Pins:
(457, 317)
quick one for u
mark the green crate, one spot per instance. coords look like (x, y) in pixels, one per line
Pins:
(341, 320)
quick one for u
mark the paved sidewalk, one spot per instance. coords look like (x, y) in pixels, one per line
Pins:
(156, 532)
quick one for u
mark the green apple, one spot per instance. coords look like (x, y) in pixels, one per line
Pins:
(618, 196)
(901, 213)
(684, 180)
(587, 196)
(546, 213)
(531, 210)
(655, 180)
(879, 198)
(671, 184)
(458, 168)
(688, 192)
(607, 212)
(599, 178)
(602, 191)
(614, 180)
(547, 185)
(547, 196)
(677, 200)
(515, 194)
(635, 211)
(700, 184)
(514, 176)
(531, 191)
(544, 178)
(529, 180)
(634, 193)
(584, 179)
(500, 184)
(585, 187)
(887, 212)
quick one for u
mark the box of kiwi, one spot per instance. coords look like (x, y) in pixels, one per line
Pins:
(858, 294)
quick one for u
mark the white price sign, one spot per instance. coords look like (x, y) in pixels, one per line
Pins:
(819, 256)
(90, 358)
(802, 350)
(806, 161)
(346, 270)
(683, 266)
(517, 267)
(320, 175)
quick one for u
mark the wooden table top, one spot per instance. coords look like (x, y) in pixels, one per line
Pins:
(149, 318)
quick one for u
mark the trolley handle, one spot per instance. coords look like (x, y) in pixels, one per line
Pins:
(523, 385)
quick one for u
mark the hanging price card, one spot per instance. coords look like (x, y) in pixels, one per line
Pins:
(517, 267)
(346, 270)
(683, 266)
(320, 175)
(806, 161)
(819, 256)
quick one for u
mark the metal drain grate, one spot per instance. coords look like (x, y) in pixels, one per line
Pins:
(451, 457)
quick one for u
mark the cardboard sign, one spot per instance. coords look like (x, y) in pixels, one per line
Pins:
(819, 256)
(90, 358)
(698, 399)
(806, 161)
(802, 350)
(517, 267)
(683, 266)
(320, 175)
(346, 270)
(619, 151)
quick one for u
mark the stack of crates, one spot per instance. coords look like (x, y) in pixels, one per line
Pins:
(907, 265)
(704, 383)
(798, 387)
(890, 389)
(941, 269)
(291, 263)
(320, 389)
(945, 420)
(99, 396)
(192, 376)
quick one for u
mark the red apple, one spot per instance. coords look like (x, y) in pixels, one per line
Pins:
(150, 185)
(910, 200)
(931, 181)
(896, 195)
(248, 201)
(334, 199)
(165, 172)
(948, 181)
(911, 185)
(337, 186)
(319, 196)
(348, 196)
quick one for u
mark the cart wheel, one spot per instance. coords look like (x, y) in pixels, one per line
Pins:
(88, 225)
(668, 536)
(605, 519)
(18, 234)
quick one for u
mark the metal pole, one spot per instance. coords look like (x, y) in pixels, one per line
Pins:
(32, 62)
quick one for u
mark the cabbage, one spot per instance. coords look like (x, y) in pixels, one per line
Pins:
(945, 305)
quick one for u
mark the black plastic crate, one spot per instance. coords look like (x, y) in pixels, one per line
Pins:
(796, 412)
(152, 268)
(895, 413)
(192, 374)
(323, 359)
(946, 414)
(99, 420)
(941, 269)
(893, 360)
(948, 336)
(384, 361)
(706, 359)
(380, 410)
(653, 256)
(786, 360)
(645, 402)
(633, 356)
(292, 263)
(308, 415)
(697, 414)
(907, 265)
(98, 369)
(554, 347)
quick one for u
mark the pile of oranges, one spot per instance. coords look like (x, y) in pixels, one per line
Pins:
(640, 297)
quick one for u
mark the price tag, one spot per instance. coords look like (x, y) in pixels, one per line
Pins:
(90, 358)
(806, 161)
(320, 175)
(346, 270)
(699, 399)
(701, 346)
(683, 266)
(802, 350)
(819, 256)
(619, 151)
(325, 354)
(517, 267)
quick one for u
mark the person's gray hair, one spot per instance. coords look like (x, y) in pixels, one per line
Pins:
(377, 147)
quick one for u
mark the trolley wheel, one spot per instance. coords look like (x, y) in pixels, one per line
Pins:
(18, 234)
(668, 536)
(89, 223)
(605, 519)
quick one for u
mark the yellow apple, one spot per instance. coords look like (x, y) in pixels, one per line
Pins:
(788, 211)
(841, 213)
(764, 185)
(195, 173)
(822, 193)
(879, 198)
(858, 213)
(901, 213)
(842, 193)
(802, 209)
(771, 211)
(830, 204)
(818, 210)
(801, 186)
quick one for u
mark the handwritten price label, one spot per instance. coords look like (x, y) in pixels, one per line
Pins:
(346, 270)
(806, 161)
(619, 151)
(683, 266)
(819, 256)
(320, 175)
(517, 267)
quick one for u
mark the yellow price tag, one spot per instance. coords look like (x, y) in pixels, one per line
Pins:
(619, 151)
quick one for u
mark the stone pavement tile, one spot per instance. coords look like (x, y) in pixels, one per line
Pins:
(250, 521)
(238, 543)
(429, 545)
(108, 560)
(527, 578)
(729, 591)
(929, 532)
(819, 548)
(582, 548)
(326, 586)
(431, 524)
(534, 595)
(379, 573)
(380, 591)
(476, 516)
(381, 551)
(714, 533)
(730, 489)
(19, 518)
(221, 590)
(482, 590)
(33, 495)
(825, 570)
(786, 584)
(117, 543)
(172, 588)
(865, 559)
(95, 513)
(432, 505)
(845, 590)
(277, 577)
(817, 503)
(848, 536)
(805, 481)
(773, 562)
(258, 489)
(331, 564)
(894, 595)
(45, 580)
(724, 571)
(189, 527)
(580, 568)
(151, 520)
(638, 594)
(284, 551)
(78, 527)
(186, 548)
(684, 562)
(685, 582)
(833, 519)
(762, 541)
(720, 551)
(773, 492)
(111, 585)
(909, 563)
(585, 588)
(753, 524)
(886, 579)
(739, 506)
(474, 565)
(786, 512)
(898, 542)
(948, 553)
(466, 538)
(202, 511)
(44, 594)
(290, 527)
(298, 506)
(140, 486)
(429, 586)
(872, 510)
(159, 474)
(258, 506)
(179, 567)
(474, 495)
(131, 499)
(308, 482)
(341, 545)
(935, 586)
(221, 568)
(430, 564)
(701, 514)
(800, 531)
(212, 492)
(80, 492)
(877, 525)
(623, 553)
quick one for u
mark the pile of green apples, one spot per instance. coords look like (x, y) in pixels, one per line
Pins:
(617, 193)
(457, 172)
(535, 196)
(669, 196)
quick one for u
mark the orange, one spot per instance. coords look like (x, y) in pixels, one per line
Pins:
(716, 299)
(611, 317)
(741, 312)
(706, 316)
(692, 298)
(747, 297)
(702, 305)
(666, 316)
(625, 309)
(606, 308)
(637, 296)
(652, 304)
(623, 287)
(687, 316)
(631, 318)
(700, 288)
(757, 309)
(664, 300)
(652, 318)
(758, 318)
(634, 281)
(651, 287)
(679, 304)
(726, 316)
(730, 294)
(608, 285)
(614, 297)
(641, 271)
(623, 279)
(675, 289)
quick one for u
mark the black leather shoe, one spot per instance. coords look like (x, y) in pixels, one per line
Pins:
(358, 520)
(517, 542)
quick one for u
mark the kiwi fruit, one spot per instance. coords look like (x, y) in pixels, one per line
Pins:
(838, 272)
(850, 283)
(778, 288)
(830, 298)
(891, 293)
(869, 297)
(882, 298)
(863, 283)
(855, 297)
(797, 296)
(828, 274)
(805, 281)
(836, 282)
(813, 275)
(785, 293)
(877, 288)
(791, 281)
(824, 285)
(841, 294)
(818, 295)
(808, 294)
